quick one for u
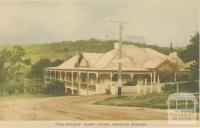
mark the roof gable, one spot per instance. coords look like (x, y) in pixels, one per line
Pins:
(166, 66)
(134, 58)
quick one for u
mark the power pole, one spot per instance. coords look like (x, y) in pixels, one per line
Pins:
(121, 24)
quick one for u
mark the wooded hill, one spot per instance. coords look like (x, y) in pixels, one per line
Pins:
(67, 49)
(15, 61)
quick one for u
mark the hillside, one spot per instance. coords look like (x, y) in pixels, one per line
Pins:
(66, 49)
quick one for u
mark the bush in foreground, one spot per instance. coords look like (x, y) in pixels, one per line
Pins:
(56, 88)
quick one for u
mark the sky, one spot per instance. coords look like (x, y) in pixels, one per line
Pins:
(156, 21)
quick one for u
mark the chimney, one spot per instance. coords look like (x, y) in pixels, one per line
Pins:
(116, 46)
(173, 54)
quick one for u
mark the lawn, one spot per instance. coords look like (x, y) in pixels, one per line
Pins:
(148, 101)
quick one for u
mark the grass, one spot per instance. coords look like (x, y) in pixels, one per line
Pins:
(148, 101)
(25, 96)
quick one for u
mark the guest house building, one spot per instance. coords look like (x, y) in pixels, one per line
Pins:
(143, 71)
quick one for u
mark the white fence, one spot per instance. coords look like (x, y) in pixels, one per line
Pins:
(33, 85)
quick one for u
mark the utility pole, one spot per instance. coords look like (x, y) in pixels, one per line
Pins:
(121, 24)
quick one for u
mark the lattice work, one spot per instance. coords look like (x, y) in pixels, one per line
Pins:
(34, 85)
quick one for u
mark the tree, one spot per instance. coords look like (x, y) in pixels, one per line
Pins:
(4, 54)
(191, 53)
(37, 70)
(192, 50)
(12, 65)
(57, 62)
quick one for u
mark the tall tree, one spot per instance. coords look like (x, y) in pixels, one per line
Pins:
(12, 65)
(37, 70)
(191, 53)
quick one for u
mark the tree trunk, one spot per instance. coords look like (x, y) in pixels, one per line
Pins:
(3, 88)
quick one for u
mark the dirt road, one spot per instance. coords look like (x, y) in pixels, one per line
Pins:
(73, 108)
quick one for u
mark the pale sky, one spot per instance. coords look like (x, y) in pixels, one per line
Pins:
(159, 21)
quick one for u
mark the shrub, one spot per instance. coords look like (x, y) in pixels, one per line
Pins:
(108, 91)
(56, 88)
(192, 87)
(169, 88)
(14, 87)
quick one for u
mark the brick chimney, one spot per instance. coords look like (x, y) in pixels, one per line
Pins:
(116, 46)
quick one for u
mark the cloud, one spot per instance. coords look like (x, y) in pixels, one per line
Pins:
(26, 19)
(160, 21)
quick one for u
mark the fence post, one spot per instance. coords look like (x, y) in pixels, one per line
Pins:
(145, 85)
(24, 85)
(72, 83)
(138, 88)
(177, 87)
(151, 88)
(88, 83)
(158, 84)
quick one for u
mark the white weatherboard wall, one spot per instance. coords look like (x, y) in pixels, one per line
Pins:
(129, 89)
(84, 92)
(113, 90)
(140, 80)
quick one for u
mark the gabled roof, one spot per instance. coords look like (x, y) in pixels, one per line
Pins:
(134, 58)
(69, 64)
(92, 58)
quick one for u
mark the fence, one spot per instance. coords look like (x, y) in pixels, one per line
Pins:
(34, 85)
(182, 86)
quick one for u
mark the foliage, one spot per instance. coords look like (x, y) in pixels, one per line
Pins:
(14, 87)
(164, 50)
(194, 71)
(37, 70)
(192, 50)
(56, 88)
(192, 87)
(12, 67)
(127, 83)
(108, 91)
(169, 88)
(191, 53)
(66, 49)
(147, 101)
(150, 101)
(13, 59)
(57, 62)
